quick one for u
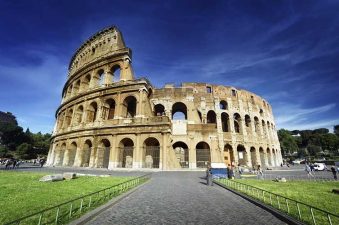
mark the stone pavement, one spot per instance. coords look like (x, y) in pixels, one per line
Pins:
(183, 198)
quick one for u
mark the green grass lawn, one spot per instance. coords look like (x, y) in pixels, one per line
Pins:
(22, 194)
(316, 194)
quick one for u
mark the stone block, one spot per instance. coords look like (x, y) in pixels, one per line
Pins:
(69, 176)
(54, 177)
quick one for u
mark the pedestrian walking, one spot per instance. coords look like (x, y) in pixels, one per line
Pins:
(334, 172)
(260, 172)
(308, 170)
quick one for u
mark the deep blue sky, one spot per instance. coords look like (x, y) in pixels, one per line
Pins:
(284, 51)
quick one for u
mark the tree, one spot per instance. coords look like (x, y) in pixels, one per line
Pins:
(25, 151)
(288, 143)
(313, 149)
(336, 129)
(321, 131)
(330, 142)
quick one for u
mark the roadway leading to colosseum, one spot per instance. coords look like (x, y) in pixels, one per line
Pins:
(183, 198)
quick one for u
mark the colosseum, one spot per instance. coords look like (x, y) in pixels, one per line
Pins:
(108, 118)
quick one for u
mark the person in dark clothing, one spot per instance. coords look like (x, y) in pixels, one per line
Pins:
(334, 172)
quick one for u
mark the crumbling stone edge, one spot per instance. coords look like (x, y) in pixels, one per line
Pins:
(277, 213)
(93, 213)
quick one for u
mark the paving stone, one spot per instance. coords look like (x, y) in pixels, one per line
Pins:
(183, 198)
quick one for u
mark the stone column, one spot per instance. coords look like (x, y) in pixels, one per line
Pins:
(163, 153)
(113, 157)
(108, 77)
(137, 154)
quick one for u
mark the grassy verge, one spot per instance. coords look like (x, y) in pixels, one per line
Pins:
(22, 194)
(316, 194)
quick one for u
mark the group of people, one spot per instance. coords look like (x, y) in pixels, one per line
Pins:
(309, 168)
(13, 163)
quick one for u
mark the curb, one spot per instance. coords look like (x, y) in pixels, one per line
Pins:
(280, 215)
(95, 212)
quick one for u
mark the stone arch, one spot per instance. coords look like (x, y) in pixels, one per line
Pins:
(69, 90)
(109, 109)
(203, 154)
(223, 105)
(92, 112)
(59, 156)
(181, 152)
(76, 87)
(129, 107)
(262, 157)
(70, 154)
(126, 148)
(256, 125)
(254, 162)
(247, 121)
(151, 153)
(274, 157)
(86, 156)
(263, 128)
(211, 117)
(269, 157)
(86, 82)
(159, 110)
(179, 111)
(242, 155)
(61, 118)
(101, 77)
(69, 115)
(78, 115)
(116, 72)
(225, 122)
(104, 150)
(228, 155)
(237, 123)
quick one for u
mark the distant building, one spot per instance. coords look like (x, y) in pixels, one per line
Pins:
(110, 119)
(7, 117)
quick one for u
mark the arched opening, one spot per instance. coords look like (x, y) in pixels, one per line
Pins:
(69, 117)
(223, 105)
(86, 156)
(247, 121)
(263, 128)
(109, 109)
(261, 112)
(274, 161)
(76, 87)
(159, 110)
(69, 91)
(61, 120)
(78, 115)
(211, 117)
(256, 125)
(179, 111)
(203, 154)
(228, 155)
(242, 155)
(126, 147)
(152, 153)
(181, 153)
(70, 155)
(268, 130)
(269, 157)
(225, 122)
(101, 77)
(254, 157)
(104, 151)
(116, 73)
(237, 121)
(59, 155)
(262, 157)
(86, 82)
(129, 107)
(92, 112)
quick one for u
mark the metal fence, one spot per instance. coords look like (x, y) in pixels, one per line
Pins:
(313, 177)
(299, 210)
(67, 211)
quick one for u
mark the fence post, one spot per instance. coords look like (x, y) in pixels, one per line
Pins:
(298, 210)
(288, 208)
(40, 219)
(70, 210)
(329, 219)
(313, 216)
(57, 215)
(81, 203)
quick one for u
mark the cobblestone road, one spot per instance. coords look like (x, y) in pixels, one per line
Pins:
(183, 198)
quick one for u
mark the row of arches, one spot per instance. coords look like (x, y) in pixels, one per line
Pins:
(80, 113)
(98, 78)
(99, 156)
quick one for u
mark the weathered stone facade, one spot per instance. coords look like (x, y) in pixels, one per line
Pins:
(109, 119)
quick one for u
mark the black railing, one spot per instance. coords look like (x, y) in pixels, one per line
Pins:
(301, 211)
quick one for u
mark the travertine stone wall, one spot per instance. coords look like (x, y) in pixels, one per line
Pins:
(109, 119)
